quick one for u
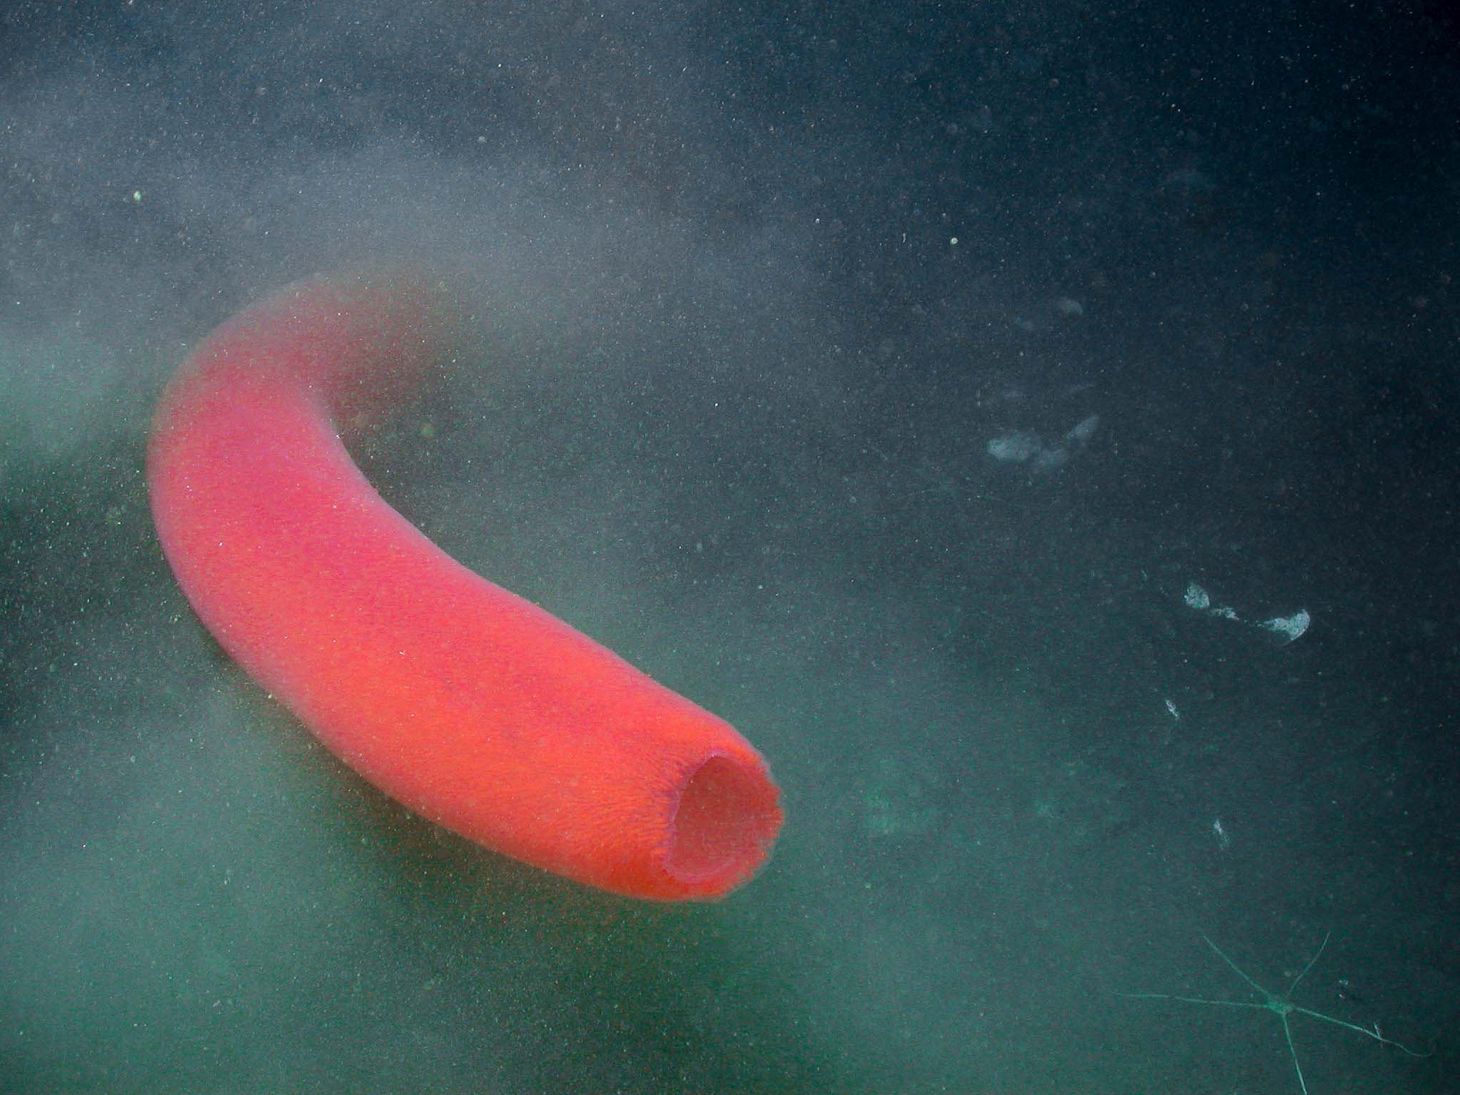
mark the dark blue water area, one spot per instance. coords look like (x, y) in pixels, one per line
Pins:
(1034, 426)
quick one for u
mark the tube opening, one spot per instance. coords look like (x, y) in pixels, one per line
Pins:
(726, 821)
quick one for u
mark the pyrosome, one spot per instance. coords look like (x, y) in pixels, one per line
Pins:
(467, 703)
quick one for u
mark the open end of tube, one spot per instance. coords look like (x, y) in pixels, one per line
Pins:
(727, 819)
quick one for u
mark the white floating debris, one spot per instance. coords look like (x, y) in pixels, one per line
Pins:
(1083, 430)
(1025, 446)
(1171, 710)
(1069, 306)
(1224, 841)
(1289, 627)
(1201, 601)
(1286, 628)
(1015, 448)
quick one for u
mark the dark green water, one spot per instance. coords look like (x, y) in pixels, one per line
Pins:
(730, 414)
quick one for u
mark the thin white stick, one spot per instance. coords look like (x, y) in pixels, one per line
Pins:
(1281, 1006)
(1292, 1049)
(1311, 963)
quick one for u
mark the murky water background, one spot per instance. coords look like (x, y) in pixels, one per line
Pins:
(769, 302)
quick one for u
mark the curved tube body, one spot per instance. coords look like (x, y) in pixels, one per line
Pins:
(465, 702)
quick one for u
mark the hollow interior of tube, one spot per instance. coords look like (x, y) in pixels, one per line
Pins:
(727, 817)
